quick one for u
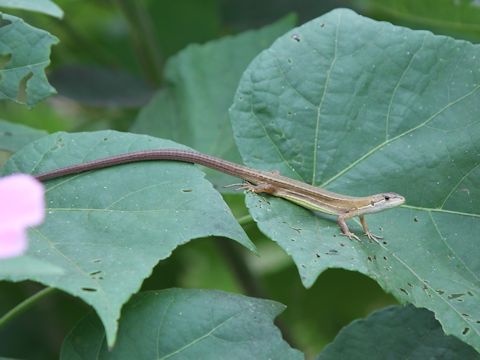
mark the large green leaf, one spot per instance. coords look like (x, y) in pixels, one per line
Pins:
(186, 324)
(363, 107)
(107, 229)
(202, 79)
(397, 333)
(43, 6)
(15, 136)
(24, 55)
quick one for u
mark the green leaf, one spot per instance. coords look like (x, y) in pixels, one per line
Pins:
(42, 6)
(443, 16)
(362, 107)
(202, 79)
(24, 55)
(108, 228)
(26, 266)
(186, 324)
(15, 136)
(397, 333)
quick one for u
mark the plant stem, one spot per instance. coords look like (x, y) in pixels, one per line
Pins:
(25, 305)
(143, 39)
(247, 279)
(245, 220)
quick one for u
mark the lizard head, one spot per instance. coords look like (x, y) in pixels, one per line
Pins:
(384, 201)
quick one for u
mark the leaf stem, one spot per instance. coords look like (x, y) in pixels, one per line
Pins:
(25, 305)
(245, 220)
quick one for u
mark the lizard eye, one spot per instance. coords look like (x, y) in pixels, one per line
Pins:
(386, 197)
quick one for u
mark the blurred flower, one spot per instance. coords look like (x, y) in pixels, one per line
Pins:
(22, 204)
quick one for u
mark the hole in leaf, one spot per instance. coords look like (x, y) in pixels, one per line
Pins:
(465, 331)
(455, 296)
(4, 22)
(22, 88)
(4, 60)
(89, 289)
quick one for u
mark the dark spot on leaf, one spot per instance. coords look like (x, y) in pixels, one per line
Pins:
(97, 260)
(4, 22)
(296, 37)
(22, 88)
(455, 296)
(374, 257)
(7, 133)
(4, 60)
(105, 139)
(292, 239)
(404, 291)
(478, 321)
(385, 258)
(384, 242)
(342, 244)
(95, 272)
(465, 331)
(187, 190)
(317, 255)
(322, 25)
(415, 219)
(409, 284)
(89, 289)
(369, 258)
(441, 292)
(332, 252)
(303, 266)
(469, 293)
(289, 61)
(466, 315)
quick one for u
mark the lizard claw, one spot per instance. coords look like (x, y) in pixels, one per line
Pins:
(351, 236)
(373, 236)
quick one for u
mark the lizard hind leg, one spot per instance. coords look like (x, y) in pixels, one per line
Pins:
(255, 188)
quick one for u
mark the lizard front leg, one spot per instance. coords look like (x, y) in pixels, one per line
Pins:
(367, 232)
(344, 227)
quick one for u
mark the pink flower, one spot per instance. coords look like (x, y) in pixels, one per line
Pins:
(22, 204)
